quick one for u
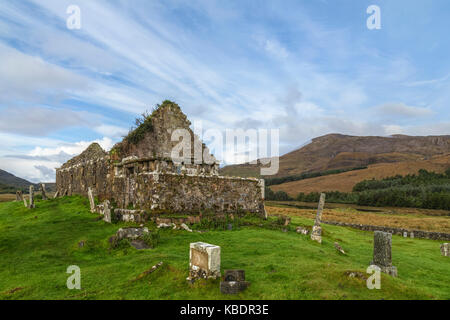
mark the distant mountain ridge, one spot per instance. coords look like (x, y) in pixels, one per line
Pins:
(338, 151)
(10, 180)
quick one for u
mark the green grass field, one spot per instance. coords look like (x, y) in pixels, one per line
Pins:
(37, 246)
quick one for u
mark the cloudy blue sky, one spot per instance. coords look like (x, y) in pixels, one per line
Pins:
(306, 67)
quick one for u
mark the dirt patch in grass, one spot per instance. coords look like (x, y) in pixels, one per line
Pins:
(7, 197)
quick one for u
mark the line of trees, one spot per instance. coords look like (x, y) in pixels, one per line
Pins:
(425, 190)
(303, 176)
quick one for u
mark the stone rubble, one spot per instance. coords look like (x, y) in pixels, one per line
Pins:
(302, 230)
(339, 248)
(185, 227)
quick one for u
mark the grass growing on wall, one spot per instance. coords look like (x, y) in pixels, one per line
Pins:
(37, 246)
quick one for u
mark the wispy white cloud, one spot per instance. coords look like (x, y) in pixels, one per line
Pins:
(401, 111)
(297, 66)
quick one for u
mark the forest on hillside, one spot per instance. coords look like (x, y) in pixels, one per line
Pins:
(426, 189)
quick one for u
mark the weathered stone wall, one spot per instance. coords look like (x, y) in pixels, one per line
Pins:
(398, 231)
(188, 193)
(78, 178)
(132, 185)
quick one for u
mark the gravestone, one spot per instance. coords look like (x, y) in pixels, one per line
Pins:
(106, 211)
(445, 249)
(204, 261)
(31, 204)
(25, 202)
(19, 196)
(234, 282)
(316, 233)
(91, 199)
(44, 194)
(412, 235)
(405, 234)
(56, 194)
(382, 253)
(320, 209)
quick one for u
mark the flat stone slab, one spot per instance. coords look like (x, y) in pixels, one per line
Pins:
(234, 282)
(233, 287)
(234, 275)
(139, 244)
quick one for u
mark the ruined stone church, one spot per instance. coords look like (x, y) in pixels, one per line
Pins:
(140, 173)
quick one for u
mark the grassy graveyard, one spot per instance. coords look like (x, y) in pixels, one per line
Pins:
(37, 246)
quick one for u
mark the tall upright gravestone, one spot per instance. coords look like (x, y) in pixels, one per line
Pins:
(31, 204)
(91, 199)
(316, 233)
(44, 193)
(445, 249)
(382, 252)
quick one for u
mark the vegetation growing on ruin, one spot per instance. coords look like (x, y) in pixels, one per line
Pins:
(37, 247)
(144, 123)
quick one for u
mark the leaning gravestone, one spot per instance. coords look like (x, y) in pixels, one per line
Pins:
(316, 233)
(91, 199)
(204, 261)
(25, 202)
(382, 253)
(44, 194)
(19, 196)
(31, 205)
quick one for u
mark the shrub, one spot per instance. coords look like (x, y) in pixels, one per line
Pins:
(151, 239)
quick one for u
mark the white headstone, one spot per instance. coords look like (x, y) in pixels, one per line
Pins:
(204, 261)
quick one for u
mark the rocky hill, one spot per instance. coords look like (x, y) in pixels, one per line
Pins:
(337, 151)
(11, 183)
(345, 181)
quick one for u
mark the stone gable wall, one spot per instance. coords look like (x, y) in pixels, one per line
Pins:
(78, 178)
